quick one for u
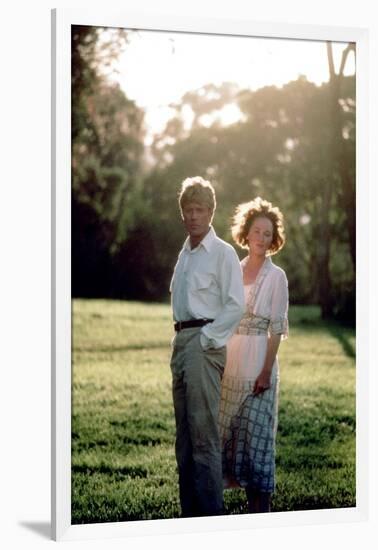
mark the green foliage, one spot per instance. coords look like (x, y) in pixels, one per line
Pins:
(282, 149)
(293, 145)
(107, 149)
(123, 464)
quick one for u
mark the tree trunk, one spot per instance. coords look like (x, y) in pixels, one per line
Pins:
(324, 247)
(337, 168)
(348, 198)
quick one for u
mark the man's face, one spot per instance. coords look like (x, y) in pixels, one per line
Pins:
(197, 218)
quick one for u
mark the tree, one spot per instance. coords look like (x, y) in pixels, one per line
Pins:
(344, 138)
(107, 149)
(279, 149)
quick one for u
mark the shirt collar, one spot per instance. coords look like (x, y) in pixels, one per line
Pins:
(266, 264)
(206, 242)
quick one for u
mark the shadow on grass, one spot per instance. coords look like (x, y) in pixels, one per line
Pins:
(308, 319)
(129, 471)
(340, 334)
(121, 349)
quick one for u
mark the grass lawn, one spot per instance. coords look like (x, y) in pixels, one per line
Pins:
(123, 464)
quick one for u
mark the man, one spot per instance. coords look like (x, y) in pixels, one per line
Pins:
(208, 303)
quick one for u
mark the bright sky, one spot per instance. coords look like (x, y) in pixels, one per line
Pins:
(157, 68)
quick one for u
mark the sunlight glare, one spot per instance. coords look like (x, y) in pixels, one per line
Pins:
(158, 68)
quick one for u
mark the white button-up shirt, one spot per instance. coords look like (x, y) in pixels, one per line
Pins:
(207, 283)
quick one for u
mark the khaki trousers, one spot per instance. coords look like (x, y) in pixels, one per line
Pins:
(196, 388)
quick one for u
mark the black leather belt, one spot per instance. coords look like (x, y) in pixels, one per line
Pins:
(191, 324)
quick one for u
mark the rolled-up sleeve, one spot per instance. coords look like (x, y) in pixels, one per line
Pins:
(280, 303)
(233, 304)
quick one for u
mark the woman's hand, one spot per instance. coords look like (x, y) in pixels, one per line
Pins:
(262, 382)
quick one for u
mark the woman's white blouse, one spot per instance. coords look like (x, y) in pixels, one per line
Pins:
(268, 298)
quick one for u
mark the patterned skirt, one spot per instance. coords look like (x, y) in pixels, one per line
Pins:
(248, 426)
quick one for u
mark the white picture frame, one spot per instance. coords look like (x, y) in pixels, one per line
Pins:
(62, 529)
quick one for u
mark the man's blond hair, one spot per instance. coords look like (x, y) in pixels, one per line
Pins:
(198, 190)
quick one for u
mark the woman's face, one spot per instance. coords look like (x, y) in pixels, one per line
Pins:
(260, 236)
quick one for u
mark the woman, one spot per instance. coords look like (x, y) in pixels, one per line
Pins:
(248, 411)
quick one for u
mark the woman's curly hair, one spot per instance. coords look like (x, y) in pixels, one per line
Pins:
(247, 212)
